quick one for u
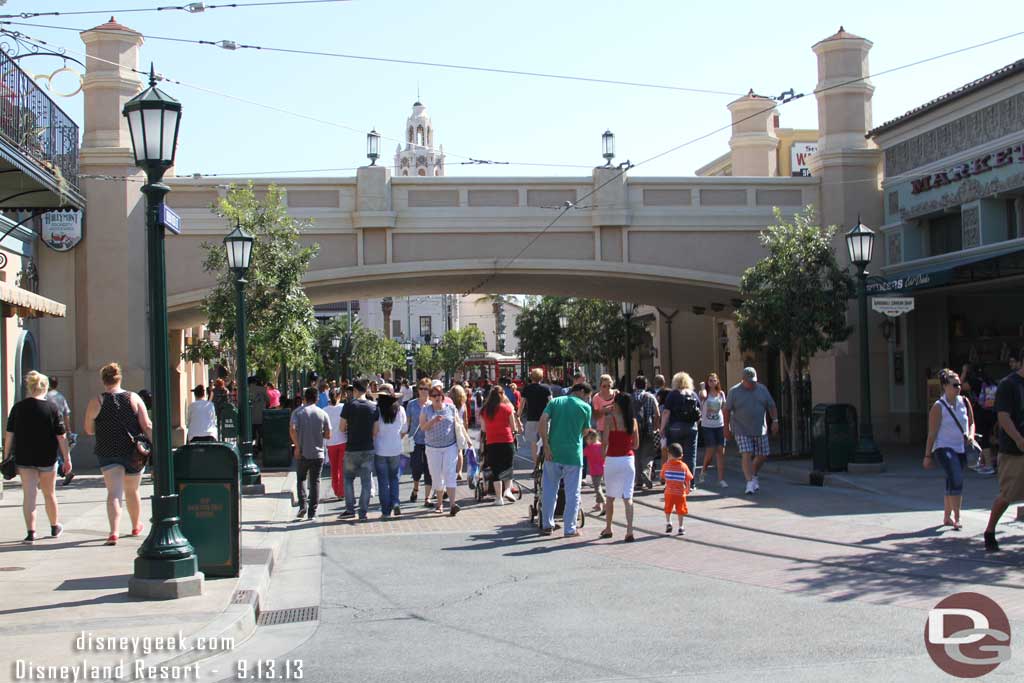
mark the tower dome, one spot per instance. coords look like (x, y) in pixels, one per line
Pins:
(419, 156)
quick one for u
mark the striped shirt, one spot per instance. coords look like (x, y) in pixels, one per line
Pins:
(676, 475)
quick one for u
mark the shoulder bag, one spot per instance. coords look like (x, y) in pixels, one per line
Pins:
(461, 435)
(971, 446)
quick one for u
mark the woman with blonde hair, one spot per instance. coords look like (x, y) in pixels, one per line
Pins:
(461, 403)
(116, 418)
(36, 428)
(603, 400)
(680, 416)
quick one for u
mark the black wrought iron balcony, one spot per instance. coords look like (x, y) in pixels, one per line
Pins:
(38, 139)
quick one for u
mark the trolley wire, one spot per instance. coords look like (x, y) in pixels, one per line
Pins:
(191, 8)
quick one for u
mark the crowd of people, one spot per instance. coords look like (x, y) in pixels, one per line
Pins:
(627, 441)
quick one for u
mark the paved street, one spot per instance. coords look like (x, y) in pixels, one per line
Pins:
(797, 583)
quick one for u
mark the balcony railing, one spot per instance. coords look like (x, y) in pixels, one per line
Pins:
(36, 125)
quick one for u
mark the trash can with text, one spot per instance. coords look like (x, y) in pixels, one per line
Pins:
(207, 478)
(277, 442)
(833, 436)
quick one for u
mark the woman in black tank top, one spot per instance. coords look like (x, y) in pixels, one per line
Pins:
(115, 418)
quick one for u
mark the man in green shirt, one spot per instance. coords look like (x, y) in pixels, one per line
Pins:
(561, 431)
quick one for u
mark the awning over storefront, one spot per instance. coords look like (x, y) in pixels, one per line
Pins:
(26, 304)
(967, 268)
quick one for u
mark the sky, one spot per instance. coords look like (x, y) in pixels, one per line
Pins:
(730, 47)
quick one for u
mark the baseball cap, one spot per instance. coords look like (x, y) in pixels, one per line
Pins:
(750, 374)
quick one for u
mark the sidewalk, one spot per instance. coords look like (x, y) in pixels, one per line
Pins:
(59, 588)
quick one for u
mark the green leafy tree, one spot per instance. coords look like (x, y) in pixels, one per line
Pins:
(795, 298)
(540, 336)
(596, 331)
(372, 353)
(457, 346)
(281, 325)
(328, 359)
(428, 361)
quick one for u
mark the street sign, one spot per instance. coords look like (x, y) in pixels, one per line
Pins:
(169, 219)
(892, 306)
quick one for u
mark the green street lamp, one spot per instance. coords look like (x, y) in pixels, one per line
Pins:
(860, 243)
(238, 245)
(166, 560)
(628, 310)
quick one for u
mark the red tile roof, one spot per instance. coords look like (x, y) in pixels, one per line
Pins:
(964, 90)
(112, 25)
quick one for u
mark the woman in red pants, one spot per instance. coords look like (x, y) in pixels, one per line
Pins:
(336, 444)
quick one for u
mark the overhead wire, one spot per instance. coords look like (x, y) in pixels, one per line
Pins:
(191, 8)
(232, 45)
(337, 124)
(788, 97)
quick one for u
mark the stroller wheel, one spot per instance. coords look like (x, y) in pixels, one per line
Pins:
(519, 492)
(581, 519)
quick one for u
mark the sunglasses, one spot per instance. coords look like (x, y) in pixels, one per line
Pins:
(955, 384)
(422, 389)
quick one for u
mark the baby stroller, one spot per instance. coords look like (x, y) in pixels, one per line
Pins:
(484, 481)
(536, 516)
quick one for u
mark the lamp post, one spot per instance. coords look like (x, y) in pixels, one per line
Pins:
(336, 345)
(238, 245)
(628, 309)
(500, 337)
(166, 565)
(608, 147)
(860, 243)
(410, 360)
(373, 147)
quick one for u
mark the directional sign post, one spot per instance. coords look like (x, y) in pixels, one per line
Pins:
(892, 306)
(169, 219)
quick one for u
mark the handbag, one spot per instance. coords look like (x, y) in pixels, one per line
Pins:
(143, 449)
(9, 468)
(461, 435)
(971, 446)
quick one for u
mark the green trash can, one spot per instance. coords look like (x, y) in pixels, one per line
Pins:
(277, 442)
(227, 422)
(207, 477)
(833, 436)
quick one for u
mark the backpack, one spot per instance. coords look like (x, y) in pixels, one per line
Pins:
(687, 409)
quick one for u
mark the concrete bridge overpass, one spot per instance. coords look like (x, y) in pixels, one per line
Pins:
(673, 242)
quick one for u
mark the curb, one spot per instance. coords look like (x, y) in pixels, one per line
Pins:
(795, 473)
(238, 620)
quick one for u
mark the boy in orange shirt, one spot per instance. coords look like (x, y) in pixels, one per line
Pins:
(677, 477)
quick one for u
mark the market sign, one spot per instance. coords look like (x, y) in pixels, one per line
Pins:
(800, 157)
(62, 230)
(892, 306)
(983, 164)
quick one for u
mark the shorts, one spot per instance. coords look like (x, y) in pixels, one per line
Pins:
(1011, 477)
(109, 463)
(619, 475)
(675, 503)
(37, 468)
(713, 436)
(758, 445)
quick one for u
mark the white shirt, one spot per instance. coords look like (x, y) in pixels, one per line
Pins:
(711, 410)
(950, 435)
(388, 441)
(202, 419)
(338, 435)
(406, 394)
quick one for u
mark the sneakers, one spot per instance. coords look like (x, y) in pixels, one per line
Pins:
(30, 538)
(991, 546)
(397, 510)
(668, 528)
(681, 532)
(348, 513)
(986, 470)
(723, 484)
(301, 513)
(750, 488)
(56, 530)
(756, 483)
(500, 501)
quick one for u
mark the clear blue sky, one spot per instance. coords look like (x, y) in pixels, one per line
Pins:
(729, 46)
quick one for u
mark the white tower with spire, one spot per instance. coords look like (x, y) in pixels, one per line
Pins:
(419, 156)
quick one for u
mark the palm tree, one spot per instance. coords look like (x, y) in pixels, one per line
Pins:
(497, 305)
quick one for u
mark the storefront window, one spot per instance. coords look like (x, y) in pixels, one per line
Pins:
(945, 234)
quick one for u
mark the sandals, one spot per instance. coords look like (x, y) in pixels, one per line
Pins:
(629, 538)
(137, 531)
(605, 534)
(111, 540)
(454, 510)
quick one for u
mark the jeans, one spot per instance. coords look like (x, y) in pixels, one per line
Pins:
(645, 462)
(308, 469)
(387, 482)
(685, 434)
(572, 475)
(954, 463)
(358, 463)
